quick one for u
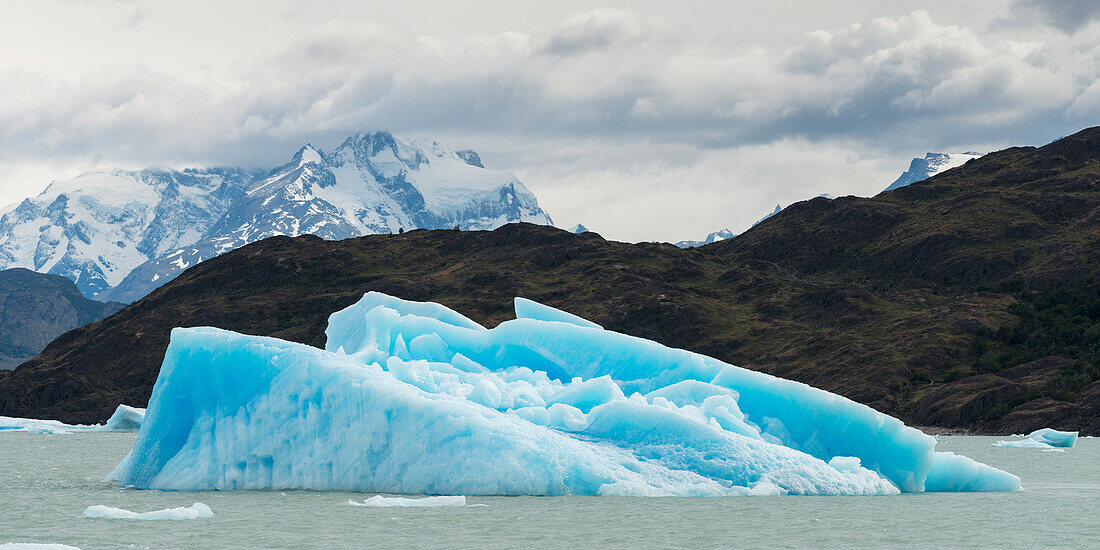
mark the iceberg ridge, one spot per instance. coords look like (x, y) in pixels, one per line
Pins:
(414, 398)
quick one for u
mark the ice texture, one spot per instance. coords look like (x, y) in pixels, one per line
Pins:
(195, 511)
(413, 398)
(124, 419)
(381, 501)
(1044, 438)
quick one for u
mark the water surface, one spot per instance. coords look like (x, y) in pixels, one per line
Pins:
(46, 481)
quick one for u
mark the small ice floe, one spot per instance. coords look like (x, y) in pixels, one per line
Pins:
(195, 511)
(379, 501)
(125, 419)
(36, 426)
(1045, 438)
(35, 546)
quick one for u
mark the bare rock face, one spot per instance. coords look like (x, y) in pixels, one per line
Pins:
(36, 308)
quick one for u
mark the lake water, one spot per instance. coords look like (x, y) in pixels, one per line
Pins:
(46, 482)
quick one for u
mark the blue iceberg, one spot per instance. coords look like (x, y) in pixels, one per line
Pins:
(1045, 438)
(414, 398)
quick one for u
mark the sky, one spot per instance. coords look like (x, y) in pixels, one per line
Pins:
(644, 120)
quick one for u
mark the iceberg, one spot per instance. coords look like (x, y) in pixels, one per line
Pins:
(414, 398)
(381, 501)
(1045, 438)
(124, 419)
(195, 511)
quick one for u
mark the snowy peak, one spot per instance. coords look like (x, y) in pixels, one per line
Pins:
(579, 228)
(95, 228)
(307, 155)
(778, 209)
(710, 238)
(371, 183)
(921, 169)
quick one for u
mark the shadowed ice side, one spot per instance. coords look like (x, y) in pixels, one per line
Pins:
(414, 398)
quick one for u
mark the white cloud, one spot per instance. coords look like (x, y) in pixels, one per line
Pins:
(616, 118)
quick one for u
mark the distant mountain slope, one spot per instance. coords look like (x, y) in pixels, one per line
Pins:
(921, 169)
(966, 300)
(372, 183)
(712, 237)
(35, 308)
(120, 234)
(97, 227)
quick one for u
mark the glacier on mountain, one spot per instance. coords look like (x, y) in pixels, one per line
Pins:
(921, 169)
(414, 398)
(121, 234)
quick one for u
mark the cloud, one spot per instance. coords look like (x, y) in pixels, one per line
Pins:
(605, 97)
(1067, 15)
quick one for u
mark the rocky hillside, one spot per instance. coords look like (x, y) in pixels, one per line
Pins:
(36, 308)
(967, 300)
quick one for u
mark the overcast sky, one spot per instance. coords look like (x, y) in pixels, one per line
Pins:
(645, 120)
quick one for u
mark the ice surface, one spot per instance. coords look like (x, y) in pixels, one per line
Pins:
(413, 398)
(32, 425)
(124, 419)
(195, 511)
(530, 309)
(381, 501)
(1043, 439)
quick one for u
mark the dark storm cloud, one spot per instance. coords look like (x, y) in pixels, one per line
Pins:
(1068, 15)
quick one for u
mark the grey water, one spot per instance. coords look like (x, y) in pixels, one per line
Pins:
(46, 482)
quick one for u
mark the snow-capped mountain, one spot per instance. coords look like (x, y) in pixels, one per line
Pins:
(710, 238)
(120, 235)
(95, 228)
(778, 209)
(579, 228)
(933, 163)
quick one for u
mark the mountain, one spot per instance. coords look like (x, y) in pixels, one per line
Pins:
(727, 234)
(777, 210)
(710, 238)
(35, 308)
(579, 228)
(967, 300)
(921, 169)
(121, 234)
(97, 227)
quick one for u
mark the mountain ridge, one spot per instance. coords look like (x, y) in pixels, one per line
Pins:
(35, 308)
(966, 301)
(119, 234)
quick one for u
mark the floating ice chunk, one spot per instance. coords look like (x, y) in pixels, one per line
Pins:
(529, 309)
(35, 546)
(35, 426)
(416, 399)
(125, 419)
(952, 472)
(195, 511)
(1043, 439)
(381, 501)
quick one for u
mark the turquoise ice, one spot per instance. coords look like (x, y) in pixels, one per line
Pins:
(415, 398)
